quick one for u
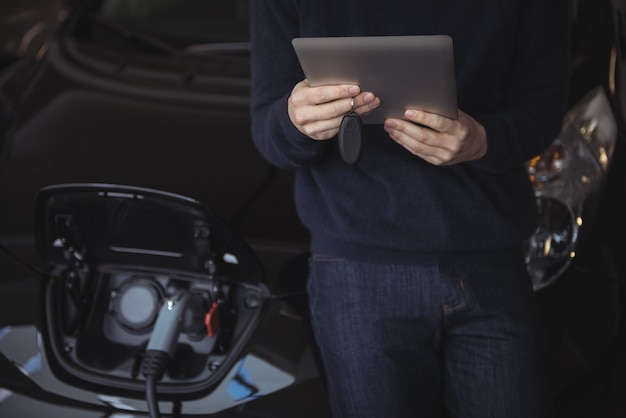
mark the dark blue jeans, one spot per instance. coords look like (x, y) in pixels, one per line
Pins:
(404, 341)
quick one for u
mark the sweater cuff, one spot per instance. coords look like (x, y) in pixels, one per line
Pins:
(303, 148)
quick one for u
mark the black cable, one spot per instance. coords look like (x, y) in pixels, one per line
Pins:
(23, 263)
(161, 346)
(151, 397)
(153, 367)
(177, 409)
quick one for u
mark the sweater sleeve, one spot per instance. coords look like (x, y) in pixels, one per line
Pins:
(535, 103)
(273, 24)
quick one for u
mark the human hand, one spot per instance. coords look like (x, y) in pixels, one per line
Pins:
(437, 139)
(317, 111)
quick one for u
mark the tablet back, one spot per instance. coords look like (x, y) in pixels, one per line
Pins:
(404, 71)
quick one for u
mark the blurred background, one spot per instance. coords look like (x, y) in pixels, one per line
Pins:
(26, 25)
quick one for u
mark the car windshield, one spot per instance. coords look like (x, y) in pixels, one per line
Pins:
(184, 24)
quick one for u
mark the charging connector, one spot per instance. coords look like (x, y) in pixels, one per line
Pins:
(161, 346)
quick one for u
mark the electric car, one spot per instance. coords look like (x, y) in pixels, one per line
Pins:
(137, 218)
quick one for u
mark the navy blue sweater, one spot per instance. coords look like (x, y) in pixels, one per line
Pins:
(511, 60)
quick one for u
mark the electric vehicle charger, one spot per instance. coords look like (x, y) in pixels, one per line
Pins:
(143, 287)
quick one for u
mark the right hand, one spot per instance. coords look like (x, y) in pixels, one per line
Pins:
(317, 111)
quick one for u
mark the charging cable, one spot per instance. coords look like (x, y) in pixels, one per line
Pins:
(161, 346)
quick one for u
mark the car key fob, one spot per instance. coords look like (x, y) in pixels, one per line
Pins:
(350, 137)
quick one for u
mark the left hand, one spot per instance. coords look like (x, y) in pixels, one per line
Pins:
(437, 139)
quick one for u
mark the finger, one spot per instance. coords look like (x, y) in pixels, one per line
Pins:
(361, 104)
(329, 111)
(364, 103)
(325, 102)
(433, 155)
(407, 132)
(329, 117)
(322, 129)
(328, 94)
(431, 120)
(420, 141)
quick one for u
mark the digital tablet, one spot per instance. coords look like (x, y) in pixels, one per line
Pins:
(404, 71)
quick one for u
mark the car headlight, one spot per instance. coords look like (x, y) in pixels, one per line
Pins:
(565, 176)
